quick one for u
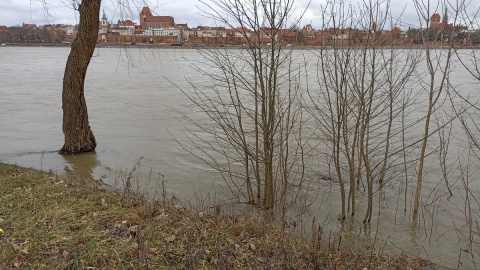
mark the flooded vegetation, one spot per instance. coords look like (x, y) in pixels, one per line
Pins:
(73, 224)
(364, 142)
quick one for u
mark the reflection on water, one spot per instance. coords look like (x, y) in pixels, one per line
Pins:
(132, 108)
(83, 164)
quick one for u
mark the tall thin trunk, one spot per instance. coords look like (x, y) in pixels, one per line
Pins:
(434, 94)
(79, 137)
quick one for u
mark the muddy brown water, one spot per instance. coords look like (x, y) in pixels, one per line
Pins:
(134, 103)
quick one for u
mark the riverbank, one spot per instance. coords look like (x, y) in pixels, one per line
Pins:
(201, 45)
(60, 221)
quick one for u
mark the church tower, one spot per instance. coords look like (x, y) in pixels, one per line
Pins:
(104, 28)
(104, 19)
(435, 20)
(445, 16)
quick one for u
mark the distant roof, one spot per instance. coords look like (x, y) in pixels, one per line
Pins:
(29, 25)
(161, 19)
(128, 23)
(146, 10)
(183, 25)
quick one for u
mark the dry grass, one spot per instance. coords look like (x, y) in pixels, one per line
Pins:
(58, 222)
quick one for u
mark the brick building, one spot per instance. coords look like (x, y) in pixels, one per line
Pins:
(148, 20)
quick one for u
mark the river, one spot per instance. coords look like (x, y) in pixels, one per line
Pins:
(134, 106)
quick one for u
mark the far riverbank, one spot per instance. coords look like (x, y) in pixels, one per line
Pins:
(200, 46)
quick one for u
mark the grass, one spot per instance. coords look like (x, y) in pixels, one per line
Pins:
(52, 221)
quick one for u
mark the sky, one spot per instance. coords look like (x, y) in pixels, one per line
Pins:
(16, 12)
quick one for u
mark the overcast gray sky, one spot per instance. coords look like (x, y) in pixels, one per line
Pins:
(16, 12)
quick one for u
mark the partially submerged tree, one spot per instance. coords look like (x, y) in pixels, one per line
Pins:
(252, 96)
(79, 137)
(360, 96)
(434, 82)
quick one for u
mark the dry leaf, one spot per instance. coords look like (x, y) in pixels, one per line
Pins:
(161, 216)
(170, 238)
(132, 230)
(301, 263)
(15, 246)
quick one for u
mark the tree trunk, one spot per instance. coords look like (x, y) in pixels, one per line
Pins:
(78, 135)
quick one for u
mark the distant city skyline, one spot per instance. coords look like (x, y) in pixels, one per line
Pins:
(16, 12)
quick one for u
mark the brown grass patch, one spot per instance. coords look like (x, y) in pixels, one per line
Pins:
(58, 222)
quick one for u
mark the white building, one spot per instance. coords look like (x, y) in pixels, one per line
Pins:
(163, 32)
(68, 30)
(208, 31)
(124, 31)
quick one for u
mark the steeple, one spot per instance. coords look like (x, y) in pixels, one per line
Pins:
(104, 17)
(105, 20)
(445, 16)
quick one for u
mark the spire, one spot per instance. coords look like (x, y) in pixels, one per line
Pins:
(445, 15)
(104, 18)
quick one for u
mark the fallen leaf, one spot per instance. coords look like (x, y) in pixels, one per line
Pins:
(15, 246)
(17, 264)
(301, 263)
(24, 251)
(161, 216)
(132, 230)
(170, 238)
(84, 218)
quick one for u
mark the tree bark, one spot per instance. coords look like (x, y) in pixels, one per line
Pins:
(79, 137)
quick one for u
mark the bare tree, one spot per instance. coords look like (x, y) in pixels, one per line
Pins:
(434, 83)
(76, 128)
(253, 100)
(359, 98)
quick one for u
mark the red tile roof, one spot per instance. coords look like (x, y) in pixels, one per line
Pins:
(128, 23)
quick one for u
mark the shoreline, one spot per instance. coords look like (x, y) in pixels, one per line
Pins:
(64, 221)
(215, 46)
